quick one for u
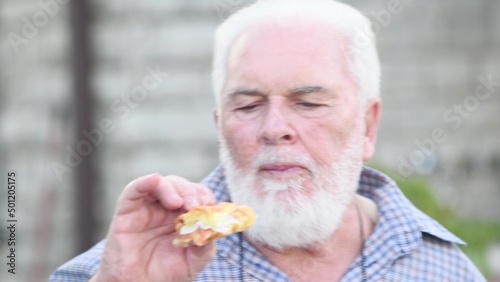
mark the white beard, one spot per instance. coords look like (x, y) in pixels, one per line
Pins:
(295, 221)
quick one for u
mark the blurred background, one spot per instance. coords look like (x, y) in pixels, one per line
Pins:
(96, 93)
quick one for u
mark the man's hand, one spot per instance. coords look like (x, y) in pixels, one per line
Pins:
(139, 241)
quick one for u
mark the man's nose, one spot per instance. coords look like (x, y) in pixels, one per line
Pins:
(276, 127)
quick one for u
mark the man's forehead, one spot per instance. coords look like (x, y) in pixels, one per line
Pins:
(289, 59)
(289, 46)
(291, 36)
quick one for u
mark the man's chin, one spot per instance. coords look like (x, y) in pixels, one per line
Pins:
(289, 199)
(283, 194)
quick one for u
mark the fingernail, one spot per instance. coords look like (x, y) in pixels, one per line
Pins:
(191, 202)
(205, 200)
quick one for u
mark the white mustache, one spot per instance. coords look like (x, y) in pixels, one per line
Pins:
(282, 155)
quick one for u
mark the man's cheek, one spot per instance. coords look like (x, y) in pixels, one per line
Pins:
(244, 151)
(243, 148)
(324, 154)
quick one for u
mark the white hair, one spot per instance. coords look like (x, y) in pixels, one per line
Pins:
(361, 54)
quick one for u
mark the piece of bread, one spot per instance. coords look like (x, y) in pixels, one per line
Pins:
(203, 224)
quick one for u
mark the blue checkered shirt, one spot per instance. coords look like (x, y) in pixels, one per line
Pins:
(406, 245)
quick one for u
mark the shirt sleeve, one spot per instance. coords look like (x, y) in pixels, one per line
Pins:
(80, 268)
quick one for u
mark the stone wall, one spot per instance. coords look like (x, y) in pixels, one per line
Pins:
(434, 122)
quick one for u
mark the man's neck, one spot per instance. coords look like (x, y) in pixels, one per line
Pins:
(327, 261)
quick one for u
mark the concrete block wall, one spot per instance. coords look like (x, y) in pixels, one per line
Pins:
(431, 54)
(171, 131)
(34, 120)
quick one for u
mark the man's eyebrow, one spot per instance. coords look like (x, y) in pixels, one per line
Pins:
(308, 89)
(246, 92)
(294, 91)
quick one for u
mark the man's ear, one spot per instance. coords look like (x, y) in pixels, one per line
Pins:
(372, 117)
(215, 115)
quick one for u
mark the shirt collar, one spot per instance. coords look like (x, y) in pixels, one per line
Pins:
(401, 225)
(393, 204)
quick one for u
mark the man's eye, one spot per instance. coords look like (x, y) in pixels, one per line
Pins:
(309, 105)
(248, 108)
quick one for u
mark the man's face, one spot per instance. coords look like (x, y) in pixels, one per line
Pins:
(290, 123)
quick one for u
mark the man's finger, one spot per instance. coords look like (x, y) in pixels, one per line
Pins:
(176, 192)
(137, 191)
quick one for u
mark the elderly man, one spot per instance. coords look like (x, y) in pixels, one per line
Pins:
(296, 86)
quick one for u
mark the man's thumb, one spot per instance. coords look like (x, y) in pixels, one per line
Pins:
(199, 257)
